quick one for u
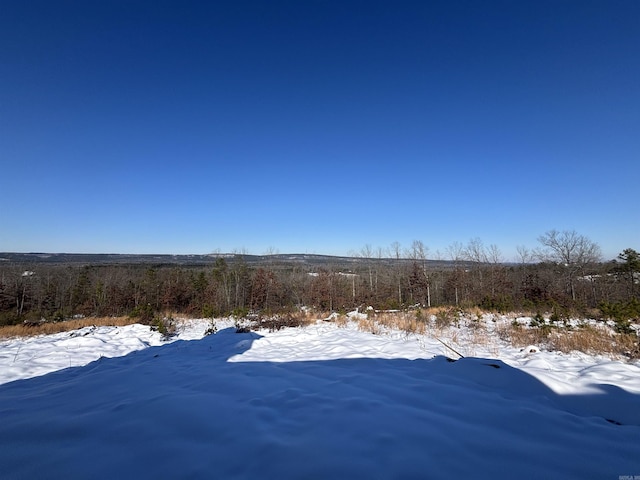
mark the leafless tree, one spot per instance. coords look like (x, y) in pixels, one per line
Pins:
(395, 250)
(570, 250)
(418, 253)
(456, 254)
(524, 254)
(367, 253)
(474, 251)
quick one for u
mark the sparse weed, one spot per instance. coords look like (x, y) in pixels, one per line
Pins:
(48, 328)
(369, 325)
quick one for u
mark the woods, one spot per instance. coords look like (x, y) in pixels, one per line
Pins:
(566, 278)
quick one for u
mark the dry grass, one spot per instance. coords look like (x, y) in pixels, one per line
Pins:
(432, 322)
(595, 341)
(437, 310)
(369, 325)
(278, 322)
(588, 339)
(519, 336)
(437, 322)
(410, 322)
(11, 331)
(340, 320)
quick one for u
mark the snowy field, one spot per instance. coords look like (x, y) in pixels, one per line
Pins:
(318, 402)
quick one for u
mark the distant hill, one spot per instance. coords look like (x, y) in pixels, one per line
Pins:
(200, 260)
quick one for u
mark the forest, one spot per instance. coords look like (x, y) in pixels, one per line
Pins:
(565, 277)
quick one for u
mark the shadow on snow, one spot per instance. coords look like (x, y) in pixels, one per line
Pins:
(184, 411)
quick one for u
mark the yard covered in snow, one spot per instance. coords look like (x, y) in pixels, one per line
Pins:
(321, 401)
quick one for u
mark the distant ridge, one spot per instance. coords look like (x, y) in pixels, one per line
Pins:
(198, 260)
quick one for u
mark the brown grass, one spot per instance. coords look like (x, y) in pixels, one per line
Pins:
(340, 320)
(587, 339)
(369, 325)
(11, 331)
(518, 336)
(278, 322)
(594, 341)
(437, 310)
(408, 322)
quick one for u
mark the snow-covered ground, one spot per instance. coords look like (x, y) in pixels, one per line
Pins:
(323, 401)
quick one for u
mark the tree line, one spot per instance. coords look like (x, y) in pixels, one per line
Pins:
(565, 275)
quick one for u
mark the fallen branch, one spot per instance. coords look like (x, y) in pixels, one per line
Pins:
(450, 348)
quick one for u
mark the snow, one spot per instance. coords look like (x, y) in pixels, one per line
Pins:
(322, 401)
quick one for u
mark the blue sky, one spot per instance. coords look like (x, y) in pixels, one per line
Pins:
(317, 126)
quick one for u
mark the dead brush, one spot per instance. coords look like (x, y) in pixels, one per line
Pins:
(413, 325)
(593, 340)
(409, 322)
(474, 311)
(369, 325)
(447, 317)
(49, 328)
(519, 336)
(587, 339)
(388, 319)
(480, 336)
(289, 320)
(311, 315)
(434, 311)
(340, 320)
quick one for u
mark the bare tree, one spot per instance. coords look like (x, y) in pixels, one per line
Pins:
(455, 251)
(493, 254)
(367, 253)
(456, 254)
(524, 254)
(475, 251)
(418, 253)
(571, 250)
(395, 252)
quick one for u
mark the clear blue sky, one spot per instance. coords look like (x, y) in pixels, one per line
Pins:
(317, 126)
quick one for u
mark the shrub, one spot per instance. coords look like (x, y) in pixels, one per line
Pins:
(447, 316)
(145, 314)
(537, 320)
(624, 327)
(166, 326)
(500, 304)
(287, 320)
(208, 311)
(213, 328)
(621, 311)
(240, 312)
(242, 328)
